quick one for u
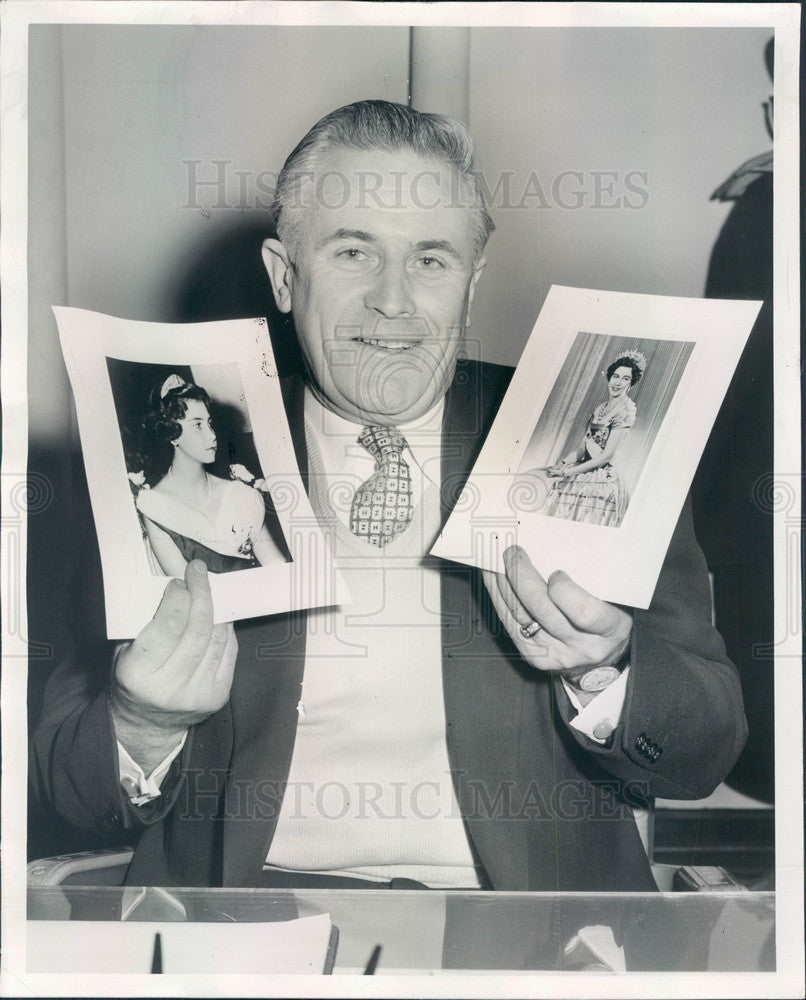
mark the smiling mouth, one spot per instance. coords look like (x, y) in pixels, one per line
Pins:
(389, 345)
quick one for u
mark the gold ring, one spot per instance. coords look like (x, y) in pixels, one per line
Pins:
(530, 630)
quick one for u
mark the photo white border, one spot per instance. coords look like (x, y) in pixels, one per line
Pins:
(617, 564)
(132, 591)
(784, 18)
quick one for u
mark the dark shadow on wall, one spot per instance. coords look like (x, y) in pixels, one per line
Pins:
(225, 279)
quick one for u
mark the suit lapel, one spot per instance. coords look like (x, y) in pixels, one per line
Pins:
(293, 389)
(271, 662)
(477, 679)
(268, 681)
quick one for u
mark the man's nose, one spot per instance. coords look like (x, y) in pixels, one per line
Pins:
(390, 293)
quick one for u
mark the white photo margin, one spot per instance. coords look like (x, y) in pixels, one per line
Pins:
(131, 590)
(617, 564)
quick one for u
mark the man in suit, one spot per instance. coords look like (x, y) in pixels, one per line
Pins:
(442, 731)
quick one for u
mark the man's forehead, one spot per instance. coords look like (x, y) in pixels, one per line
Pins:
(394, 180)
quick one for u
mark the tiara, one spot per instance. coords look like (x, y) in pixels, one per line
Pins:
(171, 383)
(637, 358)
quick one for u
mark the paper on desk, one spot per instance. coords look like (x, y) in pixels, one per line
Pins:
(288, 946)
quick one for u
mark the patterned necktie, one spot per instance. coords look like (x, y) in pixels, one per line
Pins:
(381, 507)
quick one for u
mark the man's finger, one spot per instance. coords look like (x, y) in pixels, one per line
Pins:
(161, 636)
(212, 678)
(531, 590)
(543, 651)
(171, 615)
(506, 604)
(583, 610)
(510, 599)
(193, 644)
(216, 646)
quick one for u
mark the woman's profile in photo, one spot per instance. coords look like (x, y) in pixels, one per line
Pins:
(586, 486)
(186, 511)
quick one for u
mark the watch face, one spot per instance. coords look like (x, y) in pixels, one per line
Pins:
(598, 678)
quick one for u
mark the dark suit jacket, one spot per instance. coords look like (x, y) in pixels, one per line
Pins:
(545, 807)
(733, 479)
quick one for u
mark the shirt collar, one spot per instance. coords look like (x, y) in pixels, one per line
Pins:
(335, 435)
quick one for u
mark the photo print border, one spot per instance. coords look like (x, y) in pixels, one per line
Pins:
(132, 591)
(499, 508)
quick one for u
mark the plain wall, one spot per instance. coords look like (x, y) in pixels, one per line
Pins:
(146, 100)
(681, 105)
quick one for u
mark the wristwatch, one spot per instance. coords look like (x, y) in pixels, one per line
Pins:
(596, 679)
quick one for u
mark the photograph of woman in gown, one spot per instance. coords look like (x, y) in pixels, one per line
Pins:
(186, 512)
(586, 485)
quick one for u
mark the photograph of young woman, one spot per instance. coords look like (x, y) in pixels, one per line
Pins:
(186, 512)
(586, 486)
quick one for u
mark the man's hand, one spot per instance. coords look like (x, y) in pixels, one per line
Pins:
(176, 673)
(577, 631)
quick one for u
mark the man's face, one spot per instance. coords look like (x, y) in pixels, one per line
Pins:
(382, 283)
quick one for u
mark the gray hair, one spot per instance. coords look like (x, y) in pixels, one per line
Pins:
(377, 125)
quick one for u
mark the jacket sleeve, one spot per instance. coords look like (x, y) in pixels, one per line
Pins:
(682, 726)
(73, 754)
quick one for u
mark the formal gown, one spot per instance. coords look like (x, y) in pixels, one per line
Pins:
(597, 496)
(222, 535)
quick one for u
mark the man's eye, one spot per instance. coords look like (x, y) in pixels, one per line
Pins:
(352, 254)
(430, 263)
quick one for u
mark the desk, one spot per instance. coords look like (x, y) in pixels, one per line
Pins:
(436, 930)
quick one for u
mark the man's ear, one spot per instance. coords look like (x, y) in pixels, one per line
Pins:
(478, 268)
(280, 271)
